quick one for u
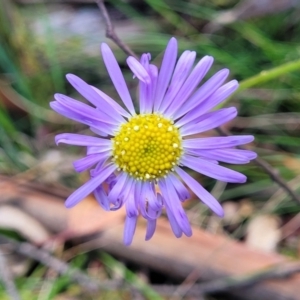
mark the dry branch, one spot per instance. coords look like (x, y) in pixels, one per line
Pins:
(7, 279)
(110, 31)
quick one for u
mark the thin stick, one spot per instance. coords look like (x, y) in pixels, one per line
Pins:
(219, 285)
(7, 279)
(110, 31)
(48, 260)
(233, 282)
(273, 173)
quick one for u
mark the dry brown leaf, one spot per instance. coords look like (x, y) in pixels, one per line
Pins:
(88, 217)
(85, 218)
(15, 219)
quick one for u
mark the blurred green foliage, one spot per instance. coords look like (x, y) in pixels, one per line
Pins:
(34, 56)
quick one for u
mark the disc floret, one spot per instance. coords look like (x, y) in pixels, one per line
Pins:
(147, 147)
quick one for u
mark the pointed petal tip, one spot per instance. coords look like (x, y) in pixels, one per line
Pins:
(138, 70)
(70, 76)
(52, 104)
(254, 155)
(225, 71)
(189, 233)
(220, 212)
(127, 243)
(104, 48)
(235, 82)
(173, 39)
(208, 57)
(69, 203)
(251, 139)
(57, 139)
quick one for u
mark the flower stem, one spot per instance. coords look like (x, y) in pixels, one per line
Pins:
(268, 75)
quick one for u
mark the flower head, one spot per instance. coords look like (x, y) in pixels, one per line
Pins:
(140, 155)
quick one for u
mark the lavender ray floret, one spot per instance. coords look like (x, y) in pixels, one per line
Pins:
(87, 162)
(190, 85)
(129, 229)
(202, 194)
(165, 73)
(217, 142)
(181, 72)
(208, 88)
(138, 70)
(211, 121)
(89, 93)
(116, 76)
(212, 170)
(89, 186)
(216, 98)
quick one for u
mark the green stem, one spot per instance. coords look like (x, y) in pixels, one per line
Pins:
(268, 75)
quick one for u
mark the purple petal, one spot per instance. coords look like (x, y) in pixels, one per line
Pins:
(190, 84)
(89, 186)
(102, 198)
(232, 156)
(181, 190)
(116, 106)
(147, 210)
(138, 70)
(116, 76)
(85, 110)
(207, 89)
(149, 194)
(181, 72)
(78, 117)
(151, 226)
(165, 72)
(212, 170)
(87, 162)
(138, 192)
(81, 140)
(99, 132)
(128, 195)
(151, 223)
(172, 201)
(217, 142)
(202, 194)
(147, 91)
(129, 229)
(209, 121)
(153, 71)
(173, 222)
(117, 190)
(97, 149)
(216, 98)
(91, 95)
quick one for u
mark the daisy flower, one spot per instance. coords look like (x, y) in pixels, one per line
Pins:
(140, 153)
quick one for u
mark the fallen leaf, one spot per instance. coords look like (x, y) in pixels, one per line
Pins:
(16, 219)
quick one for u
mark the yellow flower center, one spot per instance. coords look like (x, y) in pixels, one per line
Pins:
(147, 147)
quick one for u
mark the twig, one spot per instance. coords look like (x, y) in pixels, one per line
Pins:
(233, 282)
(7, 279)
(48, 260)
(267, 168)
(220, 285)
(110, 31)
